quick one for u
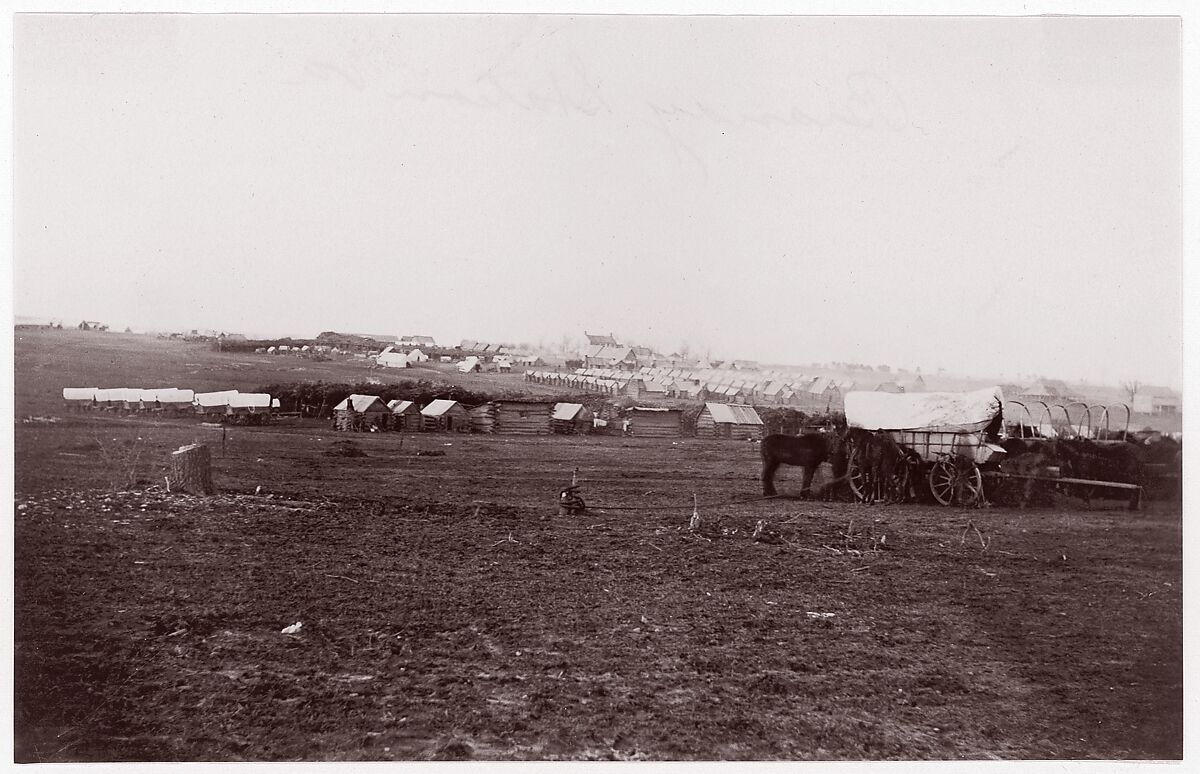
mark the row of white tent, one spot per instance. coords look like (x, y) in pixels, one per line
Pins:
(750, 382)
(166, 397)
(601, 384)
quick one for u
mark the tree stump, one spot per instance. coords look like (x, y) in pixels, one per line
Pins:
(190, 471)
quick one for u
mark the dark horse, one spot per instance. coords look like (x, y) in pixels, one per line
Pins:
(806, 451)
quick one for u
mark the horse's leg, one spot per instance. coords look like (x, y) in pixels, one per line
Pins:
(770, 465)
(806, 488)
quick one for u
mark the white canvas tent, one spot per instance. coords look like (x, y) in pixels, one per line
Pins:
(389, 358)
(943, 411)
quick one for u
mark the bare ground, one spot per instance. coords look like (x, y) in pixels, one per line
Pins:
(448, 613)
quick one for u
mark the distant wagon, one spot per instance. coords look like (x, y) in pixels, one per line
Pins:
(175, 400)
(445, 416)
(406, 416)
(362, 413)
(729, 420)
(148, 400)
(106, 397)
(166, 399)
(570, 418)
(646, 422)
(250, 408)
(212, 404)
(524, 417)
(120, 399)
(80, 398)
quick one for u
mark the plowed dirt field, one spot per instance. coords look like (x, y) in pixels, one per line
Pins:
(448, 612)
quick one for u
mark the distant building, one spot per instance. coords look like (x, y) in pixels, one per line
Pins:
(361, 412)
(648, 422)
(445, 416)
(24, 322)
(406, 415)
(608, 356)
(383, 338)
(916, 385)
(600, 340)
(729, 420)
(571, 418)
(1152, 399)
(525, 417)
(1049, 391)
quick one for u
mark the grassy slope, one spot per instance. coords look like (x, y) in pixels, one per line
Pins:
(47, 361)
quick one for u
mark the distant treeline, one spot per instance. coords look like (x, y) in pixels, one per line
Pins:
(343, 341)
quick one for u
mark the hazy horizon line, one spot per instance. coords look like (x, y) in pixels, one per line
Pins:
(576, 343)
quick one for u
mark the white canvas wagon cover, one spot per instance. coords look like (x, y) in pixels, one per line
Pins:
(946, 411)
(80, 393)
(174, 395)
(211, 399)
(250, 400)
(120, 394)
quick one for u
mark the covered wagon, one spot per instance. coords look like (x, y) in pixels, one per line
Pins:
(944, 438)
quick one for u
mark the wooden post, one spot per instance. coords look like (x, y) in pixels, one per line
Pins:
(190, 471)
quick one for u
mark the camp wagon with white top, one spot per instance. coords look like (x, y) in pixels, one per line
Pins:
(948, 439)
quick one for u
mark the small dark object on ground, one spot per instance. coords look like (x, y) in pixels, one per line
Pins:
(456, 750)
(763, 534)
(430, 453)
(570, 503)
(344, 449)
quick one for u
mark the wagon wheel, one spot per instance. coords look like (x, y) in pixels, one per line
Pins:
(856, 475)
(956, 481)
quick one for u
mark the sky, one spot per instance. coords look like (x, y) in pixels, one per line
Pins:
(987, 195)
